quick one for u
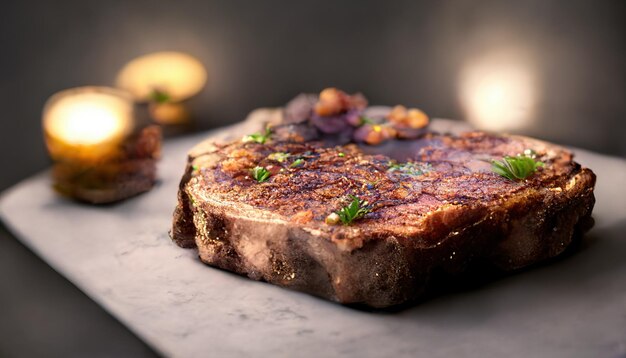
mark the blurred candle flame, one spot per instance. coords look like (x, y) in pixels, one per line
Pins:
(498, 92)
(87, 121)
(177, 75)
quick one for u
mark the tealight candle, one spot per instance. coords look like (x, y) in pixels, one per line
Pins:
(164, 80)
(101, 152)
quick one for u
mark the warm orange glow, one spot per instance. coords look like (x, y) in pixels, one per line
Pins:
(498, 92)
(169, 113)
(87, 120)
(178, 75)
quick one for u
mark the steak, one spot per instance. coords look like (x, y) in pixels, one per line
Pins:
(454, 213)
(447, 212)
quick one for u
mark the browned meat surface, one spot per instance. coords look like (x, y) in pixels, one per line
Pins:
(452, 212)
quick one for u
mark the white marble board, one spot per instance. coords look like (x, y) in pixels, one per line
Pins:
(121, 256)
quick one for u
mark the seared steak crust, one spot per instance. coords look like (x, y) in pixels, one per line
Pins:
(454, 212)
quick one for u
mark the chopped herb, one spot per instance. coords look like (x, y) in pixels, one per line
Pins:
(367, 120)
(353, 211)
(260, 138)
(279, 156)
(159, 96)
(297, 163)
(194, 167)
(260, 174)
(518, 167)
(341, 154)
(410, 168)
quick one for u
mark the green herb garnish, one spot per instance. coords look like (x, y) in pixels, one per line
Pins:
(518, 167)
(279, 156)
(410, 168)
(297, 163)
(260, 138)
(367, 120)
(341, 154)
(260, 174)
(353, 211)
(159, 96)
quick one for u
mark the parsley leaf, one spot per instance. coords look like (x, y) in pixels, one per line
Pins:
(409, 168)
(260, 138)
(516, 168)
(260, 174)
(367, 120)
(278, 156)
(297, 163)
(353, 211)
(159, 96)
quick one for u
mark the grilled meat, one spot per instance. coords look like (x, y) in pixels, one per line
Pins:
(434, 205)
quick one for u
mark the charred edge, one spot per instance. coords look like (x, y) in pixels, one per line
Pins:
(393, 275)
(547, 228)
(183, 229)
(296, 268)
(215, 248)
(377, 275)
(565, 223)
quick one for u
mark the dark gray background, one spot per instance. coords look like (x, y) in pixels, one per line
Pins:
(261, 53)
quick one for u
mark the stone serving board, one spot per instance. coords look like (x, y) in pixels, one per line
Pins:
(121, 256)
